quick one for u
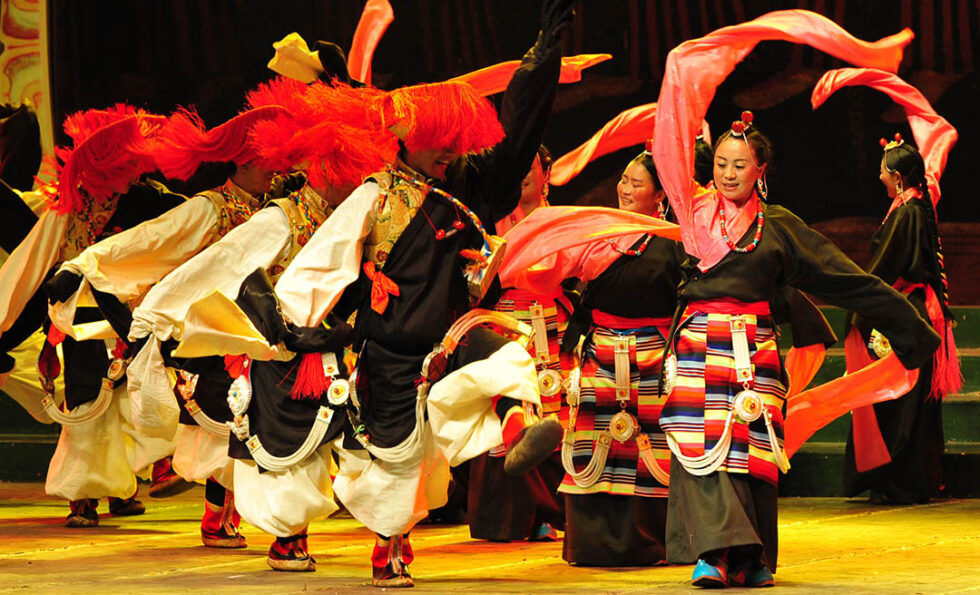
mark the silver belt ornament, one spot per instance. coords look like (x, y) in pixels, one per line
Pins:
(549, 381)
(879, 344)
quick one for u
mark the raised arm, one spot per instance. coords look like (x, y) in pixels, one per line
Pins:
(524, 113)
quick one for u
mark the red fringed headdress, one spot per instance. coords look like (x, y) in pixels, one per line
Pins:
(183, 144)
(110, 151)
(441, 116)
(333, 133)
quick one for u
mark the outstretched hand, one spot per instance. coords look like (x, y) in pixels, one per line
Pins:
(555, 16)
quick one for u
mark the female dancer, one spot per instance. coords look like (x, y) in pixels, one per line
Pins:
(906, 253)
(722, 502)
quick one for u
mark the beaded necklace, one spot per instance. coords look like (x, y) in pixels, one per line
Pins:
(759, 221)
(633, 251)
(458, 224)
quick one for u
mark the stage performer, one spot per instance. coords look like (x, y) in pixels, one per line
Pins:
(500, 506)
(723, 419)
(99, 193)
(895, 447)
(277, 492)
(128, 264)
(406, 244)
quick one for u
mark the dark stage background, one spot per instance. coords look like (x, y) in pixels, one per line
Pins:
(159, 54)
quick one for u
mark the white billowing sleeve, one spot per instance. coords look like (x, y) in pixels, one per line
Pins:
(330, 261)
(23, 272)
(129, 262)
(258, 243)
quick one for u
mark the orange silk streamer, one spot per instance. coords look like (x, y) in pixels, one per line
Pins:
(811, 410)
(494, 79)
(374, 22)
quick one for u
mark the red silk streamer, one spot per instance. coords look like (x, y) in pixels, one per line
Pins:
(933, 135)
(381, 287)
(631, 127)
(494, 79)
(375, 18)
(870, 450)
(555, 243)
(693, 72)
(811, 410)
(802, 364)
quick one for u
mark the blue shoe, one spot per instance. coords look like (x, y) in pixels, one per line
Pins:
(760, 577)
(544, 532)
(708, 576)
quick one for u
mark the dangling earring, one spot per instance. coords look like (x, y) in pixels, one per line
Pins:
(661, 210)
(899, 189)
(763, 188)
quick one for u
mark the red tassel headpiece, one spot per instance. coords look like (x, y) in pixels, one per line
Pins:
(446, 115)
(183, 144)
(333, 133)
(111, 149)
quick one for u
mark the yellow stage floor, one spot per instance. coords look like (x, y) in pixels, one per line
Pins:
(827, 545)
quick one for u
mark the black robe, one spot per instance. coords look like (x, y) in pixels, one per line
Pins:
(912, 426)
(428, 272)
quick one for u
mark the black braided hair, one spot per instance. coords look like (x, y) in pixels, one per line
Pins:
(906, 160)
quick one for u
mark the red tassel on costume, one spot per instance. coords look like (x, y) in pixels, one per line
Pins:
(947, 379)
(311, 382)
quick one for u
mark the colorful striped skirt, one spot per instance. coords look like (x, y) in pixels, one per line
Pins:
(696, 410)
(624, 472)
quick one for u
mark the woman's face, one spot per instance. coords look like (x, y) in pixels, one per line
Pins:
(735, 173)
(637, 192)
(889, 179)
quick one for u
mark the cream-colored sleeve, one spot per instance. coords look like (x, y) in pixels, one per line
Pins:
(315, 279)
(127, 263)
(24, 271)
(258, 243)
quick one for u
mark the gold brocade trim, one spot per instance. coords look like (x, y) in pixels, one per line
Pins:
(232, 205)
(398, 202)
(305, 210)
(84, 228)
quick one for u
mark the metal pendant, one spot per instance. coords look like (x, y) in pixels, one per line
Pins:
(187, 385)
(623, 427)
(338, 392)
(748, 405)
(239, 396)
(573, 388)
(116, 369)
(880, 344)
(670, 374)
(549, 383)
